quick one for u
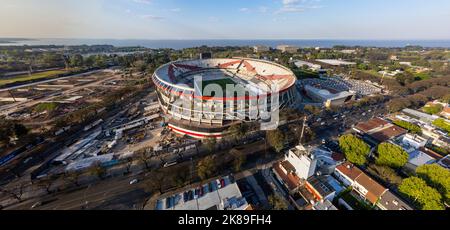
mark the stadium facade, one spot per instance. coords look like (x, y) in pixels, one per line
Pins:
(203, 98)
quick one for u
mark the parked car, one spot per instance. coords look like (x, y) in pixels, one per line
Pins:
(37, 204)
(219, 184)
(134, 181)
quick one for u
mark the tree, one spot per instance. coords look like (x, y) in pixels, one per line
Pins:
(356, 151)
(46, 183)
(277, 203)
(391, 155)
(76, 60)
(206, 167)
(434, 109)
(436, 177)
(239, 160)
(98, 170)
(210, 144)
(144, 157)
(16, 192)
(157, 182)
(276, 139)
(180, 177)
(442, 124)
(385, 173)
(73, 177)
(398, 104)
(238, 131)
(312, 109)
(424, 196)
(128, 164)
(409, 126)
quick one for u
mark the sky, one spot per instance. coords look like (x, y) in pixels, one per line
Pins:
(226, 19)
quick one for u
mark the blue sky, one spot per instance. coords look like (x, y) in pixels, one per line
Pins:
(226, 19)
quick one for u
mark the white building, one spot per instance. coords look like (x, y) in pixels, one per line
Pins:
(310, 65)
(414, 141)
(335, 62)
(304, 164)
(259, 49)
(418, 158)
(327, 98)
(287, 48)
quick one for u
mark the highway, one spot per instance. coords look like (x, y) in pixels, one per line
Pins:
(11, 108)
(47, 81)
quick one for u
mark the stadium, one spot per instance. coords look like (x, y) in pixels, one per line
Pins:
(203, 98)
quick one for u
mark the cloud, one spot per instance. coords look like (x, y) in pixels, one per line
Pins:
(175, 10)
(244, 9)
(151, 17)
(263, 9)
(142, 1)
(298, 6)
(127, 11)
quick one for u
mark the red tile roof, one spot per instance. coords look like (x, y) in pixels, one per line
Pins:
(371, 124)
(388, 133)
(291, 179)
(349, 170)
(374, 189)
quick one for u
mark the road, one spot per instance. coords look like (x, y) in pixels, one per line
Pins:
(113, 193)
(12, 108)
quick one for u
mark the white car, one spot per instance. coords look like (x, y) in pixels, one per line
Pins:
(134, 181)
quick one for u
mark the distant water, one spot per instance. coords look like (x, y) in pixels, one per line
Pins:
(180, 44)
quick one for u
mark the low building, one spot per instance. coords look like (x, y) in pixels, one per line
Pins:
(389, 201)
(311, 66)
(260, 49)
(328, 98)
(336, 62)
(206, 55)
(445, 162)
(442, 141)
(446, 112)
(415, 141)
(427, 118)
(285, 174)
(324, 206)
(367, 188)
(377, 130)
(323, 188)
(287, 48)
(418, 158)
(213, 196)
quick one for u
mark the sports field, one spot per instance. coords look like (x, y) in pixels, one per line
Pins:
(221, 82)
(35, 76)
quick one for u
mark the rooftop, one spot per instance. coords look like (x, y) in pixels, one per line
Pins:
(349, 170)
(320, 185)
(391, 202)
(290, 179)
(374, 190)
(419, 158)
(324, 206)
(371, 124)
(388, 133)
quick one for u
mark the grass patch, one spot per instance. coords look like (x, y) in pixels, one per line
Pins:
(373, 73)
(422, 76)
(47, 106)
(433, 109)
(303, 74)
(354, 202)
(221, 82)
(35, 76)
